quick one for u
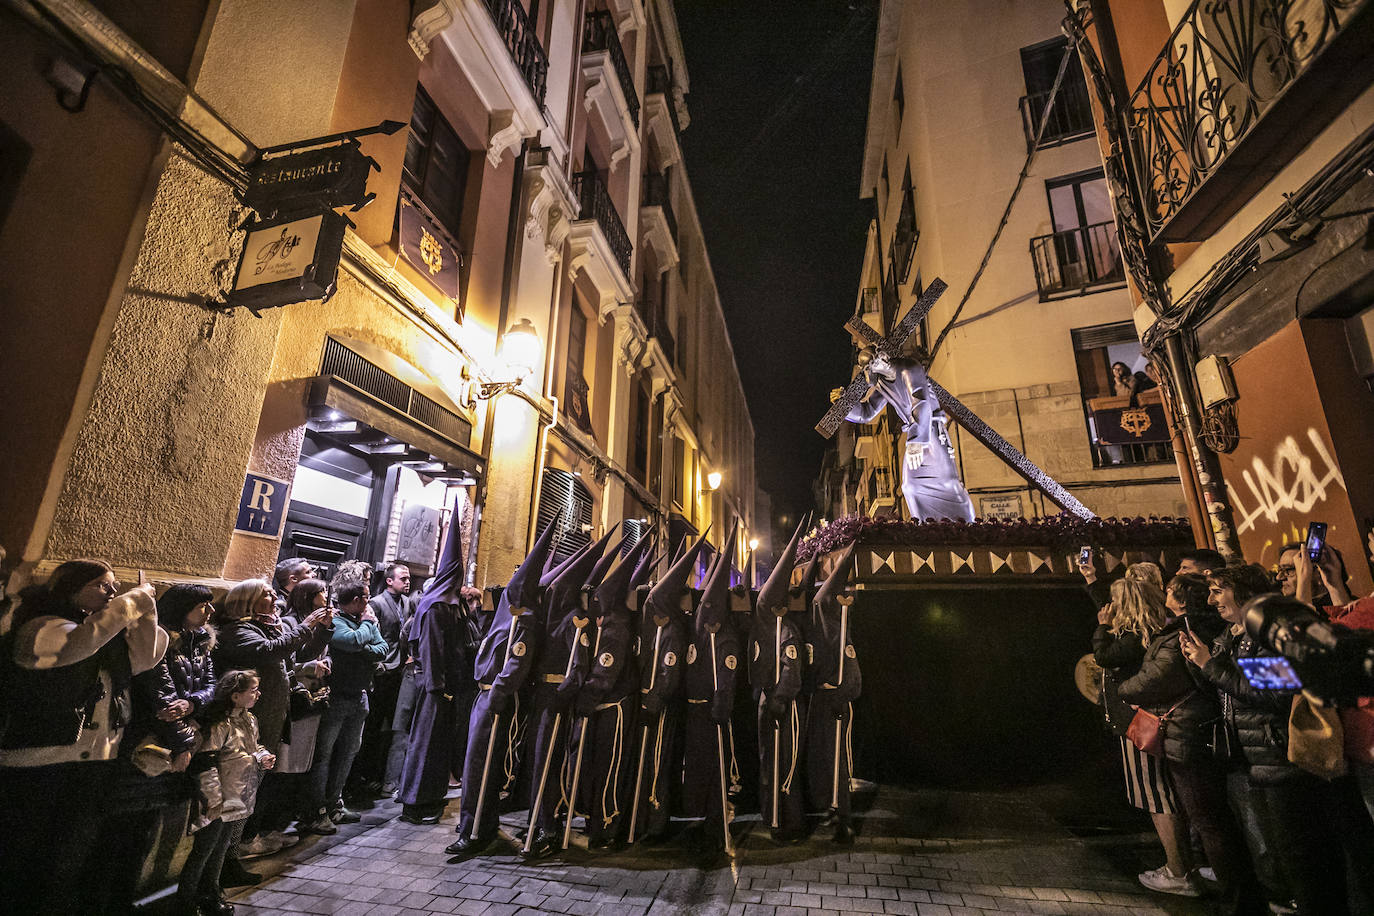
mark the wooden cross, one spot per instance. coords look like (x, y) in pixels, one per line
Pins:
(890, 348)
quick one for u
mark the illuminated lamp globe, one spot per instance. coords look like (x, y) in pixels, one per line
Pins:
(713, 480)
(520, 349)
(753, 543)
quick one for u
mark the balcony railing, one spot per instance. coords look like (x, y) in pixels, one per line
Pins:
(1072, 262)
(901, 252)
(1070, 118)
(659, 193)
(595, 203)
(661, 80)
(1226, 66)
(518, 32)
(599, 34)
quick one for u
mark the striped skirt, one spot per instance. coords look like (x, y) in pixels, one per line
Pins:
(1147, 780)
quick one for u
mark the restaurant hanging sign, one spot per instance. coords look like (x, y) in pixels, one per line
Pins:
(289, 260)
(314, 180)
(424, 247)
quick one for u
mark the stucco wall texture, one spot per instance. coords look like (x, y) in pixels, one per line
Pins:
(155, 475)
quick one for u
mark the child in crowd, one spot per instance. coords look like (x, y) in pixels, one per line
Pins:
(229, 762)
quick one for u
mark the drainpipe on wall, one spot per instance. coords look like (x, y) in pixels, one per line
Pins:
(1205, 468)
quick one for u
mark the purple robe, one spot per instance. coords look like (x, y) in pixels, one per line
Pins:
(443, 682)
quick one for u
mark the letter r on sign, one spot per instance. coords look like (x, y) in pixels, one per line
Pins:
(263, 491)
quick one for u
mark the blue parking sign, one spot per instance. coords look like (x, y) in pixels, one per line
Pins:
(262, 506)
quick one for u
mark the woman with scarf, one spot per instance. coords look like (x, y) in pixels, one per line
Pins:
(69, 658)
(252, 636)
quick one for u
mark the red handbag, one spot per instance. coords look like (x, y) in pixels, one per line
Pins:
(1147, 729)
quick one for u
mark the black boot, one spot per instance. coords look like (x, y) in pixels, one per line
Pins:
(467, 847)
(844, 833)
(214, 904)
(233, 874)
(545, 843)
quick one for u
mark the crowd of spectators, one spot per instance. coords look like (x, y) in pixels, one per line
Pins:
(1239, 815)
(240, 716)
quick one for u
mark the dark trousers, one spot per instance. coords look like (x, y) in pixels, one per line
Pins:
(1307, 842)
(827, 753)
(340, 736)
(371, 763)
(200, 874)
(1201, 789)
(50, 821)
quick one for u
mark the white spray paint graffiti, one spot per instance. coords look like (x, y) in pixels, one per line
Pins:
(1290, 484)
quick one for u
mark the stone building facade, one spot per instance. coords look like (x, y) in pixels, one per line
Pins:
(956, 104)
(540, 152)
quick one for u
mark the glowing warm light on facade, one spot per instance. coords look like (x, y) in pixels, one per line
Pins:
(713, 480)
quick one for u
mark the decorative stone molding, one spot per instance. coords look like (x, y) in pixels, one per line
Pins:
(551, 207)
(631, 339)
(591, 254)
(605, 101)
(628, 15)
(654, 230)
(660, 125)
(429, 19)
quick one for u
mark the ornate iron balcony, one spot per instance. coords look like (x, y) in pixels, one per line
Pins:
(518, 32)
(1069, 119)
(1229, 64)
(661, 80)
(599, 34)
(658, 193)
(1072, 262)
(595, 202)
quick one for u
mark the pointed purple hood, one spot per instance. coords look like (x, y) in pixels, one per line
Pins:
(523, 589)
(611, 594)
(825, 609)
(664, 597)
(447, 583)
(773, 594)
(563, 597)
(715, 600)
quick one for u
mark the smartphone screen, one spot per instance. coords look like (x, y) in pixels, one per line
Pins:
(1273, 672)
(1316, 539)
(1085, 556)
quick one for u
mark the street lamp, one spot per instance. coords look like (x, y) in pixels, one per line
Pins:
(753, 544)
(713, 480)
(520, 349)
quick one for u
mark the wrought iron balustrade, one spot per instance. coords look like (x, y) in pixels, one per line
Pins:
(658, 192)
(1071, 262)
(1070, 118)
(518, 32)
(1226, 64)
(599, 34)
(661, 80)
(595, 203)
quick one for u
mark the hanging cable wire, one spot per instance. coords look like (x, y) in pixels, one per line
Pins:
(1006, 214)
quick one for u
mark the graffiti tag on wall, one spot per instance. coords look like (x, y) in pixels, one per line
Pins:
(1294, 482)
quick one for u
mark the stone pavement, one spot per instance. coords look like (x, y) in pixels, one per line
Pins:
(927, 852)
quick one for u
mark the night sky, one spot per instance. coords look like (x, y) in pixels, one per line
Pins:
(778, 103)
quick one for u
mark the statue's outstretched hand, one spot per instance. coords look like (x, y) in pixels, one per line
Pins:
(835, 394)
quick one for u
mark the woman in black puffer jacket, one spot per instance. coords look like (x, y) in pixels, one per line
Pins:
(1297, 825)
(1169, 687)
(184, 680)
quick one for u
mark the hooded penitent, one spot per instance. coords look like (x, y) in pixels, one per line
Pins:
(665, 598)
(563, 607)
(520, 599)
(833, 648)
(773, 594)
(722, 652)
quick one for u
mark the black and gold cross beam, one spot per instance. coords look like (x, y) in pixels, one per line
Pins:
(890, 347)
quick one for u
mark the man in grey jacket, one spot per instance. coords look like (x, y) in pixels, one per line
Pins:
(393, 608)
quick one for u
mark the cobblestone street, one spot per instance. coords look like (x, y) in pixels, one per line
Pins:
(924, 852)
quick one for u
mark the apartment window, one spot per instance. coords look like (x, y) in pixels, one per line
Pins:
(436, 163)
(1082, 254)
(1122, 404)
(898, 99)
(884, 188)
(1071, 117)
(575, 387)
(639, 455)
(680, 472)
(902, 251)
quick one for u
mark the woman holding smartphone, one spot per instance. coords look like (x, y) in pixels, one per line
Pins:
(1307, 849)
(1167, 685)
(1126, 627)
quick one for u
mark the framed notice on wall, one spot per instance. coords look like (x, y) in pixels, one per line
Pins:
(262, 506)
(1004, 507)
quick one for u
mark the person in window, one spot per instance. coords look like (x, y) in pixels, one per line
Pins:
(1128, 384)
(69, 659)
